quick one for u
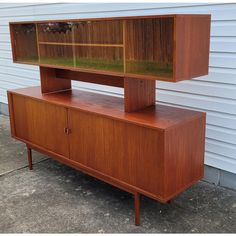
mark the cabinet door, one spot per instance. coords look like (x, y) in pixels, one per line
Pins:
(41, 123)
(127, 152)
(137, 155)
(87, 139)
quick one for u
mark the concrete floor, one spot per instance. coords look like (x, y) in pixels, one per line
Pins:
(54, 198)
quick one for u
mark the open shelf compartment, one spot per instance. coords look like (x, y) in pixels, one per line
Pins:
(24, 43)
(110, 45)
(152, 53)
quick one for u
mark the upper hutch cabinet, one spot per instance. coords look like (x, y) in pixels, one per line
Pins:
(170, 47)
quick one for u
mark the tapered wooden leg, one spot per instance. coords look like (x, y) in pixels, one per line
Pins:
(30, 158)
(137, 208)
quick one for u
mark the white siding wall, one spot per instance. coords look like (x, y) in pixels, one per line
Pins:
(215, 93)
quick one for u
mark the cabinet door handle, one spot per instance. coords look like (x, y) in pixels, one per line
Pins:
(67, 130)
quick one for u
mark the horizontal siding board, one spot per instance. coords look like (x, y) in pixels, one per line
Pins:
(221, 120)
(221, 148)
(220, 162)
(214, 93)
(94, 8)
(102, 10)
(8, 62)
(5, 46)
(3, 98)
(8, 86)
(223, 60)
(223, 29)
(19, 72)
(197, 101)
(5, 38)
(219, 75)
(221, 134)
(71, 9)
(6, 55)
(202, 88)
(223, 46)
(15, 5)
(16, 80)
(4, 29)
(218, 119)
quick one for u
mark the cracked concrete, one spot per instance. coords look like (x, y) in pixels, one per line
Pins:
(54, 198)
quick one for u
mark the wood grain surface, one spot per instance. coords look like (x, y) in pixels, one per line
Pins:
(164, 47)
(158, 152)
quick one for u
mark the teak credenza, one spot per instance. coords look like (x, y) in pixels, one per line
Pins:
(129, 142)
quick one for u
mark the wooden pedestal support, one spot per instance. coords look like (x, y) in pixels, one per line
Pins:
(138, 93)
(50, 83)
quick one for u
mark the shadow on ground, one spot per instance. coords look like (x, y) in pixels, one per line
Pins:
(54, 198)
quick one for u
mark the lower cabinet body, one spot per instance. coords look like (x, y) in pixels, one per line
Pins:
(159, 163)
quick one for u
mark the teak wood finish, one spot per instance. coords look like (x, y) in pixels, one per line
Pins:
(50, 82)
(157, 152)
(129, 142)
(180, 41)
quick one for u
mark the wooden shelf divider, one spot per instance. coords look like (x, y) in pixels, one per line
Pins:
(83, 44)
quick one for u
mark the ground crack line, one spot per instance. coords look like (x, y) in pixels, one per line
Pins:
(11, 171)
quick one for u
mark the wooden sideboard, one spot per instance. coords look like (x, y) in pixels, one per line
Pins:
(129, 142)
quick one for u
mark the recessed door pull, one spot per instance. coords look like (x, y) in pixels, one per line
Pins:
(67, 130)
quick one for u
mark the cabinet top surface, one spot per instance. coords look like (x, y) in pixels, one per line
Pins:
(113, 18)
(157, 117)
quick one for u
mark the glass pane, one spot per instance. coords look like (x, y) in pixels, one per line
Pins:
(59, 32)
(98, 32)
(99, 58)
(25, 43)
(55, 43)
(99, 45)
(61, 55)
(149, 47)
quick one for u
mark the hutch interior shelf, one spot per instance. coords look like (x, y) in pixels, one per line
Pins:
(129, 142)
